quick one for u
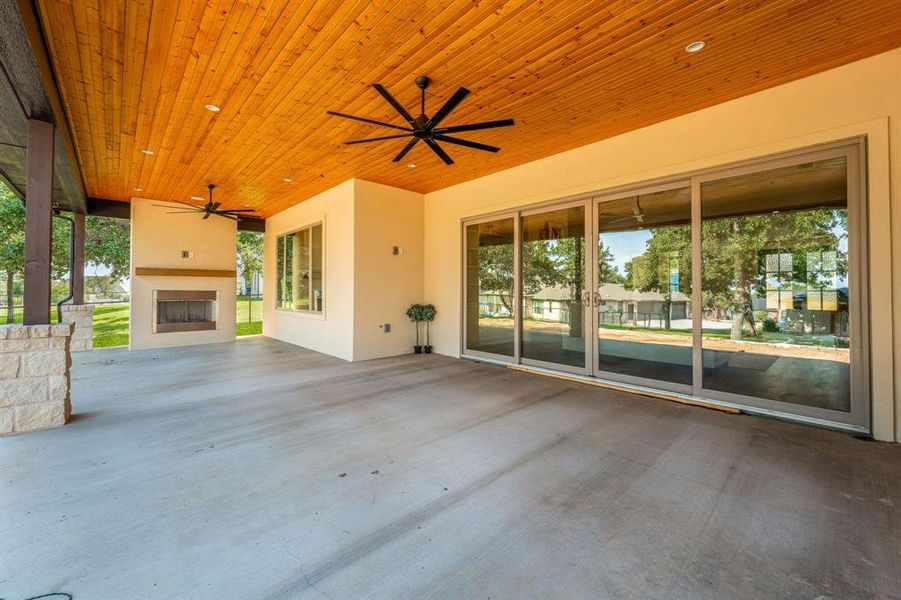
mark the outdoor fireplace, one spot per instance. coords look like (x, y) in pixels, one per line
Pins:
(184, 310)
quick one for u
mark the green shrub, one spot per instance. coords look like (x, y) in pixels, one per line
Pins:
(770, 325)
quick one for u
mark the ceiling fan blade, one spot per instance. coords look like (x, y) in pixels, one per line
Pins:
(475, 126)
(188, 207)
(194, 206)
(406, 149)
(370, 121)
(394, 103)
(467, 143)
(378, 139)
(214, 206)
(206, 214)
(439, 151)
(449, 106)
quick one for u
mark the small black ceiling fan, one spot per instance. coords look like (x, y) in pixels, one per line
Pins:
(210, 208)
(426, 128)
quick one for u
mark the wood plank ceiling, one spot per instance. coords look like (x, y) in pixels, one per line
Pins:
(136, 74)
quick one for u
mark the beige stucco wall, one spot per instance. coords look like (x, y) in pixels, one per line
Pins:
(157, 240)
(863, 98)
(386, 285)
(366, 286)
(331, 332)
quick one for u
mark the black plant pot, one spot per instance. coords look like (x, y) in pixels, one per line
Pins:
(417, 349)
(428, 349)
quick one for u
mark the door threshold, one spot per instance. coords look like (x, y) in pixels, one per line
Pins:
(622, 387)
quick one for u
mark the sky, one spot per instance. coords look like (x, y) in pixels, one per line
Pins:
(626, 245)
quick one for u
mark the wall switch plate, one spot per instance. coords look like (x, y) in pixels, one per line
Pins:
(187, 254)
(397, 251)
(387, 327)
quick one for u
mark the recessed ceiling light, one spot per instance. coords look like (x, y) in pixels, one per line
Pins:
(138, 190)
(287, 180)
(411, 165)
(198, 198)
(147, 152)
(212, 108)
(695, 46)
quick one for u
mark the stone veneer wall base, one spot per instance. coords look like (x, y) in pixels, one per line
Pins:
(35, 363)
(82, 315)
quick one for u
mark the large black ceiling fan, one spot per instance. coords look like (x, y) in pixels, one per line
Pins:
(210, 208)
(427, 128)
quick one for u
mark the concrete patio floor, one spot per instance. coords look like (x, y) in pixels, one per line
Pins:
(262, 470)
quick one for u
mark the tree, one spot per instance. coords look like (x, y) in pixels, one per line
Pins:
(733, 255)
(12, 246)
(607, 271)
(107, 242)
(250, 254)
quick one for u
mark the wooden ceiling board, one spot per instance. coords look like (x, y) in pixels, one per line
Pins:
(137, 74)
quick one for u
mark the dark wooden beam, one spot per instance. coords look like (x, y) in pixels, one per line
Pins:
(38, 222)
(100, 207)
(252, 224)
(78, 260)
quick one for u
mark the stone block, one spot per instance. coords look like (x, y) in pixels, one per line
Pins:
(9, 366)
(82, 333)
(46, 362)
(40, 331)
(7, 420)
(4, 331)
(61, 329)
(23, 345)
(19, 332)
(24, 390)
(39, 416)
(58, 343)
(58, 388)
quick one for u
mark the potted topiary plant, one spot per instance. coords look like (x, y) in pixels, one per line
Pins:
(427, 312)
(415, 315)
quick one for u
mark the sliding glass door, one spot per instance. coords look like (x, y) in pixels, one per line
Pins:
(489, 281)
(554, 292)
(740, 285)
(780, 277)
(643, 292)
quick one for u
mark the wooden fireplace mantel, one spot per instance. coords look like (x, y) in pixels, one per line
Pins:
(172, 272)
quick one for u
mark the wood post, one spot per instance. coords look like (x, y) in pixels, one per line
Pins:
(78, 262)
(38, 221)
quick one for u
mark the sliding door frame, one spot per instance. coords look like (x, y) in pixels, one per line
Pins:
(597, 367)
(587, 292)
(854, 149)
(481, 355)
(859, 415)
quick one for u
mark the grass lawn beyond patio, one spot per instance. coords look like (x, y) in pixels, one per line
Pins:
(111, 321)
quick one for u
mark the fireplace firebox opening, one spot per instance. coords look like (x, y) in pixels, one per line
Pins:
(184, 310)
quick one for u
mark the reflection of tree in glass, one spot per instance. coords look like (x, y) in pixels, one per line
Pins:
(733, 252)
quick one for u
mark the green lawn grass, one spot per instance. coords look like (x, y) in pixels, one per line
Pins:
(111, 321)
